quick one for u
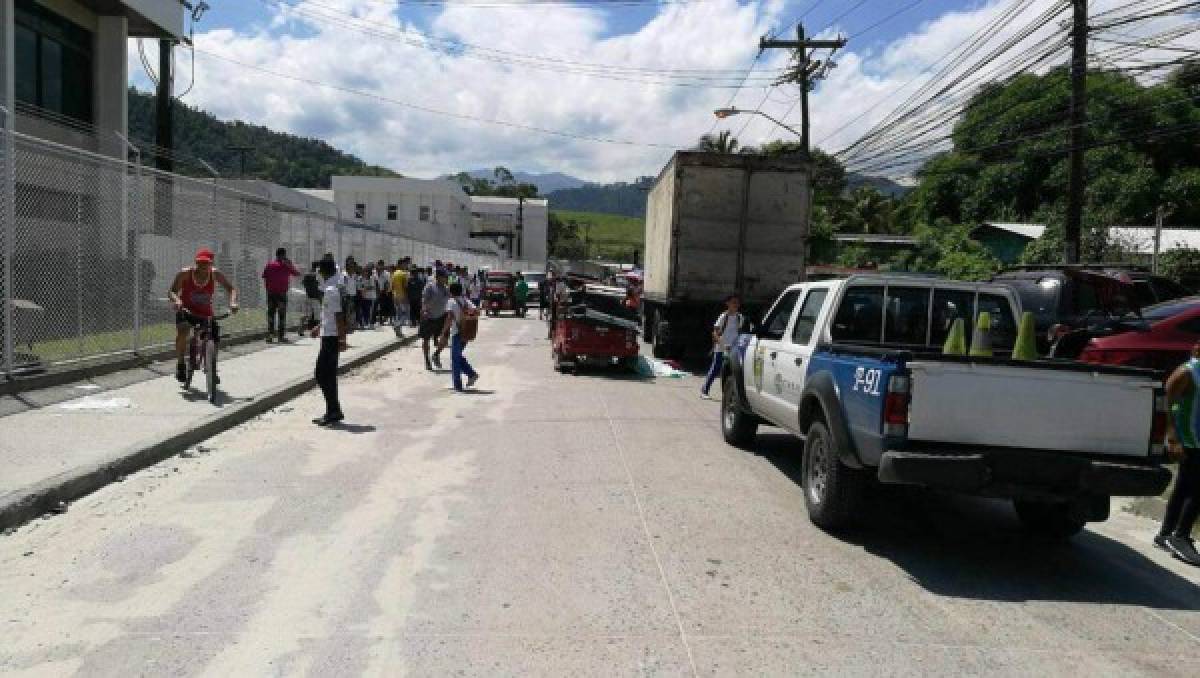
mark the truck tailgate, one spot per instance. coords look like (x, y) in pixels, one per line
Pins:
(1031, 407)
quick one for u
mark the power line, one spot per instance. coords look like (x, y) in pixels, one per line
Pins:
(332, 16)
(902, 119)
(435, 111)
(1016, 6)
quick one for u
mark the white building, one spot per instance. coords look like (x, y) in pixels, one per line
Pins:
(64, 65)
(438, 211)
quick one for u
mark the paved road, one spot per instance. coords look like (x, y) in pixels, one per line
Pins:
(557, 525)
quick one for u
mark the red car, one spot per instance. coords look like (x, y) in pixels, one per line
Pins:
(1172, 328)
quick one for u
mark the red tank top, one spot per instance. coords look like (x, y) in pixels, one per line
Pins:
(196, 298)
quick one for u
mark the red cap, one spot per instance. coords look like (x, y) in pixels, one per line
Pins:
(204, 254)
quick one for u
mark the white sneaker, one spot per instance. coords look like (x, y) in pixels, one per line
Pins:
(471, 381)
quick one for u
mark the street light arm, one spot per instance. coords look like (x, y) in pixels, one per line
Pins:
(723, 113)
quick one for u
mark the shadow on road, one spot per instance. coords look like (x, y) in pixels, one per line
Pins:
(971, 547)
(353, 428)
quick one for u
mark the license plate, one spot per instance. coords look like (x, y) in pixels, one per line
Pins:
(601, 330)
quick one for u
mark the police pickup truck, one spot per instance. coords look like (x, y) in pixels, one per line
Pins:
(855, 368)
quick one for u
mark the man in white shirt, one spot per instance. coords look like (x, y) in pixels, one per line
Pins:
(724, 334)
(332, 331)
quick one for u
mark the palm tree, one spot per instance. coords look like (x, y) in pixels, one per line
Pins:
(724, 142)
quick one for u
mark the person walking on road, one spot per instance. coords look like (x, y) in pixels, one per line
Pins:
(458, 310)
(1183, 445)
(521, 295)
(370, 294)
(416, 287)
(724, 334)
(400, 306)
(433, 317)
(275, 277)
(332, 332)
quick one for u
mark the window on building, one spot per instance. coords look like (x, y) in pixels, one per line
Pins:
(393, 212)
(360, 211)
(424, 213)
(52, 62)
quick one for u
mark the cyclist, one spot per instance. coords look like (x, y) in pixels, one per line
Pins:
(192, 295)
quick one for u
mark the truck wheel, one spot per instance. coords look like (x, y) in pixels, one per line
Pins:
(738, 427)
(1049, 520)
(832, 490)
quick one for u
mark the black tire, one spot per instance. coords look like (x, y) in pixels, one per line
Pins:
(210, 370)
(190, 363)
(738, 427)
(1048, 520)
(832, 490)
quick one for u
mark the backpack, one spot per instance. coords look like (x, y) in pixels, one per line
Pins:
(312, 288)
(468, 327)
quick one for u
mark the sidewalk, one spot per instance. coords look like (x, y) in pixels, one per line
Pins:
(61, 451)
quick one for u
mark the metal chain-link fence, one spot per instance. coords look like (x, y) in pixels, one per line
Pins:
(89, 246)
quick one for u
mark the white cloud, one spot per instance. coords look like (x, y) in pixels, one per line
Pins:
(718, 34)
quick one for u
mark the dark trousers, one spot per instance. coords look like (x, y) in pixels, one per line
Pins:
(714, 370)
(277, 307)
(1184, 506)
(326, 374)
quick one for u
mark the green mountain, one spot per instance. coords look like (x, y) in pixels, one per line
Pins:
(285, 159)
(620, 198)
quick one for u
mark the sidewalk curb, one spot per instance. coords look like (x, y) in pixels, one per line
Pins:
(46, 496)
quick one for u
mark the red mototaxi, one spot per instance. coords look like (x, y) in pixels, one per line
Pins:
(498, 294)
(590, 337)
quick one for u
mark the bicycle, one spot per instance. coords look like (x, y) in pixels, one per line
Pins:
(202, 352)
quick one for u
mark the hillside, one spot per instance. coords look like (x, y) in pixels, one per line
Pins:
(607, 235)
(619, 198)
(546, 183)
(285, 159)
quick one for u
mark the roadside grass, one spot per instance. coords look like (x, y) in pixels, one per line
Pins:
(610, 233)
(52, 351)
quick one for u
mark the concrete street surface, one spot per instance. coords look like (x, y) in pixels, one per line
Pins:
(558, 525)
(51, 435)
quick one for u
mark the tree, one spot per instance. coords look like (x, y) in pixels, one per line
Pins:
(503, 176)
(947, 249)
(1008, 152)
(724, 142)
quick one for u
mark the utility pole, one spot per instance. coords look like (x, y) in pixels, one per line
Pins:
(164, 137)
(1079, 36)
(1158, 225)
(241, 151)
(520, 223)
(804, 70)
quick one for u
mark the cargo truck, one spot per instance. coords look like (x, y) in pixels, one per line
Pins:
(719, 224)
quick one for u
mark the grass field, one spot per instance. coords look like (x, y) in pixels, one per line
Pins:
(607, 227)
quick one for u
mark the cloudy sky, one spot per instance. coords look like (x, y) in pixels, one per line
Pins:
(601, 89)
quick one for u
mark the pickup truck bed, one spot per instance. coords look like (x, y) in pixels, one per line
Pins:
(1057, 437)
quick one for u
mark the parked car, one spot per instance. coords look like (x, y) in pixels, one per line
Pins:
(1065, 298)
(1162, 342)
(854, 368)
(534, 279)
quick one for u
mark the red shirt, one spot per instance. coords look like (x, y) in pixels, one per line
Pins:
(198, 299)
(276, 275)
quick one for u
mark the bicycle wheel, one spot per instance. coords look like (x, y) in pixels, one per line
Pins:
(191, 364)
(210, 369)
